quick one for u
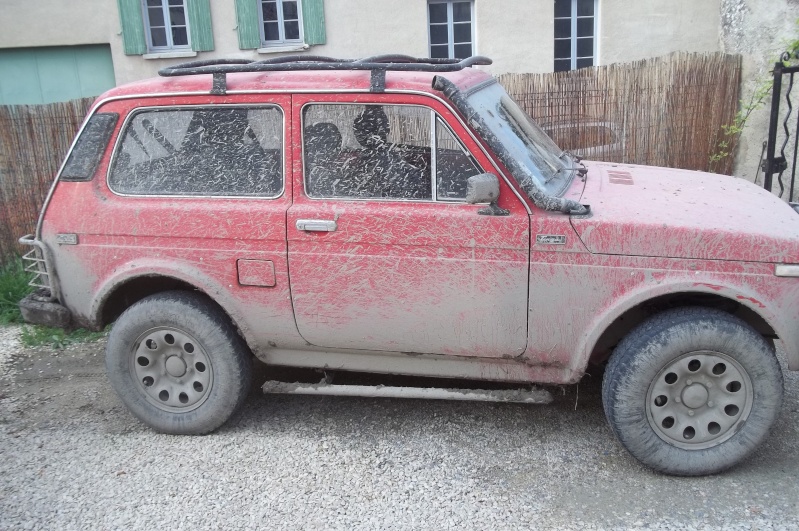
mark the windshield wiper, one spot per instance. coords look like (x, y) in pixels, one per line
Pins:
(576, 158)
(581, 170)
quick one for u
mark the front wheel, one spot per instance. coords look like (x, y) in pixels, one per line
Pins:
(692, 391)
(177, 363)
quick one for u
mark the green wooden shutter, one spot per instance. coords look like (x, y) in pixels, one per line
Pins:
(202, 33)
(313, 21)
(130, 17)
(248, 24)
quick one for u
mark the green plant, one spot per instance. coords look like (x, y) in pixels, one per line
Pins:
(761, 92)
(37, 336)
(13, 287)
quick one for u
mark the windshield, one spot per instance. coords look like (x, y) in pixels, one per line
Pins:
(536, 160)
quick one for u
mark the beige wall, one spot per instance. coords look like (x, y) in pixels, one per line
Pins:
(632, 30)
(355, 28)
(25, 23)
(517, 35)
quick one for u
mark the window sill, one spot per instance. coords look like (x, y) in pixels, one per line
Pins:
(283, 49)
(169, 55)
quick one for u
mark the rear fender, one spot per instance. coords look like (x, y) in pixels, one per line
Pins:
(185, 273)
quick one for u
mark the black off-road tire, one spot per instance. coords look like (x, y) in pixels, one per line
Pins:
(185, 333)
(671, 345)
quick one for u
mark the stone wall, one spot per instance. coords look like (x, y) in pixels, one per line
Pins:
(759, 31)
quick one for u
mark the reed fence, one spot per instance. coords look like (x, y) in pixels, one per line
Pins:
(33, 142)
(665, 111)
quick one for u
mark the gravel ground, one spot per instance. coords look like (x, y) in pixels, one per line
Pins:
(71, 456)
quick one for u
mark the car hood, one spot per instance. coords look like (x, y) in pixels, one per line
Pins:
(649, 211)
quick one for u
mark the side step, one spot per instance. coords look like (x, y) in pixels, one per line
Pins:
(519, 396)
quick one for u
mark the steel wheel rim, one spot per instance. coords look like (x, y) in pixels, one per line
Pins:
(172, 369)
(699, 400)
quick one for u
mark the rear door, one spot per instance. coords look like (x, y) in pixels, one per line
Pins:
(194, 191)
(384, 254)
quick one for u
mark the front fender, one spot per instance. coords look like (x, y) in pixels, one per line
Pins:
(773, 312)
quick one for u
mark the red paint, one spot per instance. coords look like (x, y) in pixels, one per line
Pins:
(409, 276)
(424, 277)
(256, 273)
(752, 300)
(685, 214)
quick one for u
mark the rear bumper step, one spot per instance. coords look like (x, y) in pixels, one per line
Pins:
(519, 396)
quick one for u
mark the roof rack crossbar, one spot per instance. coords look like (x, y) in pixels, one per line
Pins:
(378, 64)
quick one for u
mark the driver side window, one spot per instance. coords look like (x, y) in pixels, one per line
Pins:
(382, 151)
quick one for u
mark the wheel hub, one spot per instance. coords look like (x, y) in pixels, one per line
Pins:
(699, 400)
(175, 366)
(172, 369)
(694, 395)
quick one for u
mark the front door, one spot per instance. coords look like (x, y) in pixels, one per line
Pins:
(384, 254)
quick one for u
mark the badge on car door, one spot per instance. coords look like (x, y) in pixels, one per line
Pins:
(550, 239)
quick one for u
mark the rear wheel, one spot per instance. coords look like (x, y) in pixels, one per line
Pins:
(692, 391)
(177, 363)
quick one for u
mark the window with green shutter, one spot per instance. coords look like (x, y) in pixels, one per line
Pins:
(130, 16)
(165, 25)
(313, 21)
(265, 23)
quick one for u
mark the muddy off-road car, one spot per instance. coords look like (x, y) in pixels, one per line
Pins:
(404, 216)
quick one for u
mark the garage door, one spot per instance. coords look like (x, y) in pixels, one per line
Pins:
(58, 73)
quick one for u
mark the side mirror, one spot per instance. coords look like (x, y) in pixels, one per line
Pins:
(484, 188)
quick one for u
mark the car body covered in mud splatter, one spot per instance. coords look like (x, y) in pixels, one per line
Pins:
(404, 216)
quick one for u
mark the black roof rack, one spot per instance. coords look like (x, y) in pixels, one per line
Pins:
(378, 64)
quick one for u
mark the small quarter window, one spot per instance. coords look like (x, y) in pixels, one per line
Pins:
(201, 151)
(454, 165)
(89, 148)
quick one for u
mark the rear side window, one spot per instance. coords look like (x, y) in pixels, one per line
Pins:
(201, 151)
(89, 148)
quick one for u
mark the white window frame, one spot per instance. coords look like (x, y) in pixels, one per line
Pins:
(281, 24)
(450, 28)
(573, 39)
(167, 27)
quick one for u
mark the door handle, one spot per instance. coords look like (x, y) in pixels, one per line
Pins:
(317, 225)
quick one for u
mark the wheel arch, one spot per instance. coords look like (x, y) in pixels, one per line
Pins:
(137, 282)
(619, 320)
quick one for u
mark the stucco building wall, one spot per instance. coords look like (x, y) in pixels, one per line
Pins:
(518, 35)
(630, 31)
(33, 23)
(758, 30)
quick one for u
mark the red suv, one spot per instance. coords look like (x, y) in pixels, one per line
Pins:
(405, 216)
